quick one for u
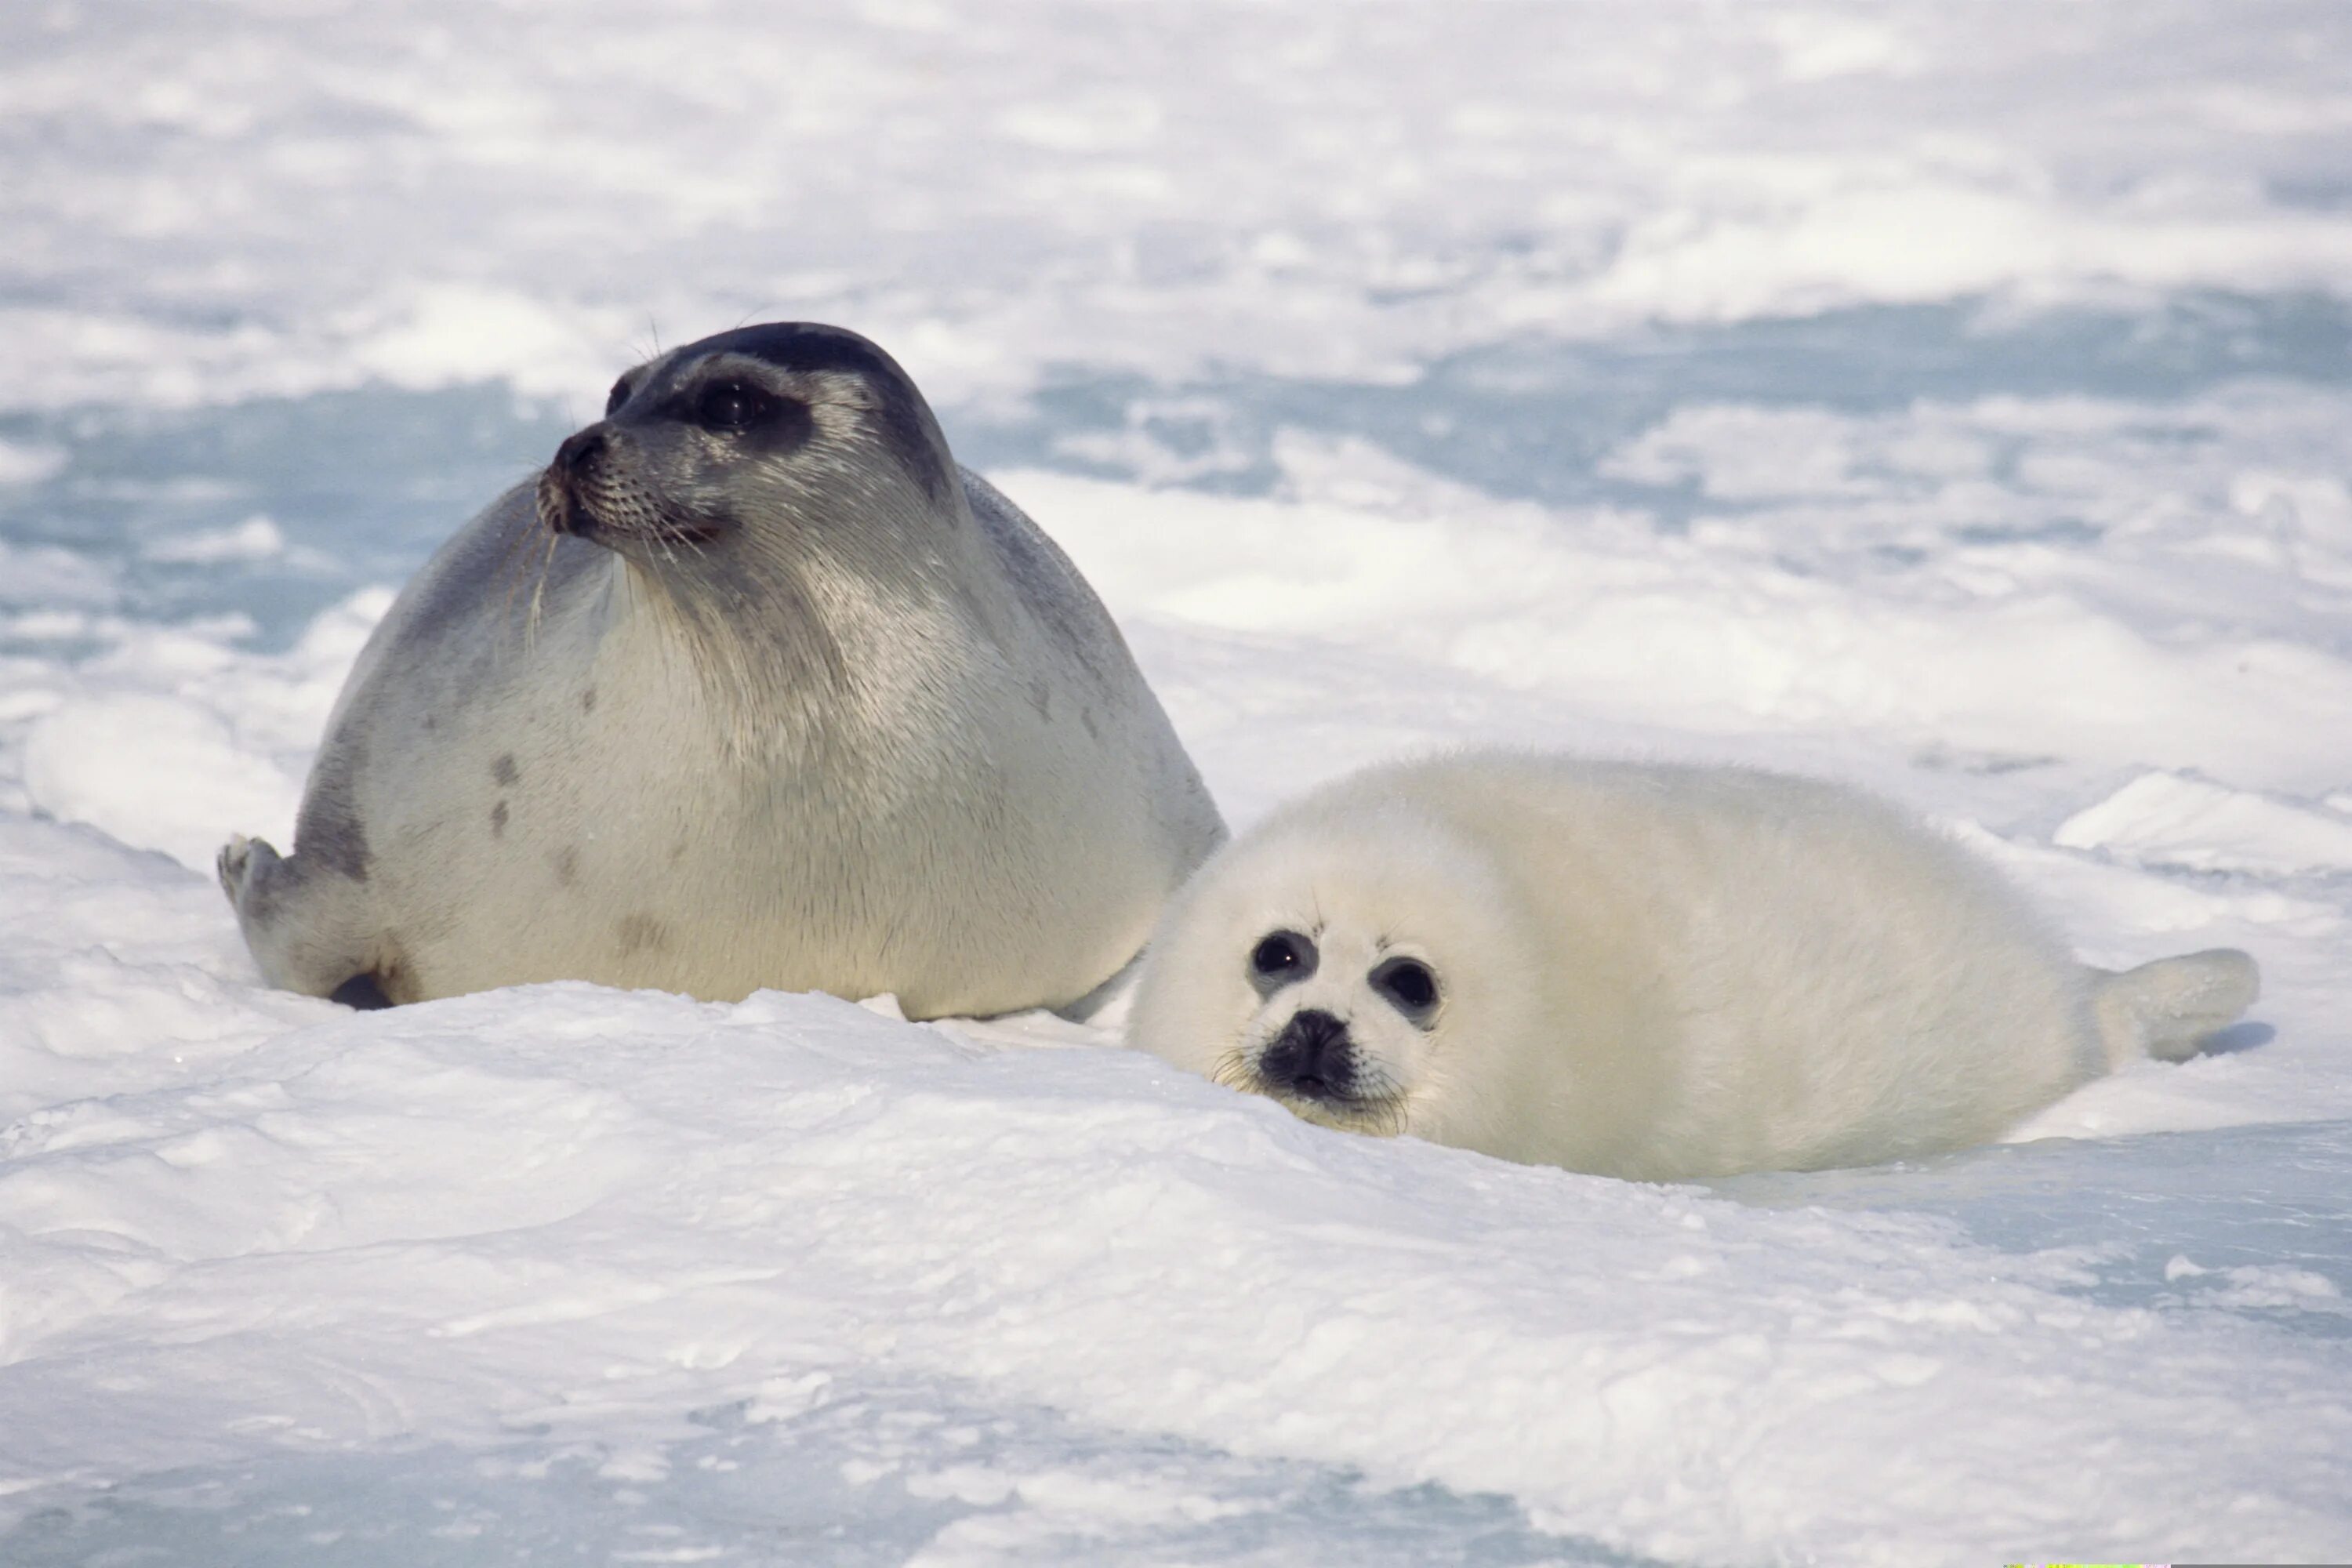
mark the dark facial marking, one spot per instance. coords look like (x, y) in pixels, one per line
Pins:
(901, 415)
(498, 820)
(503, 770)
(1312, 1057)
(733, 407)
(1281, 958)
(1409, 986)
(588, 700)
(567, 865)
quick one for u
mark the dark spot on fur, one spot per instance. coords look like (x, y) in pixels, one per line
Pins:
(588, 700)
(431, 723)
(567, 866)
(678, 852)
(329, 829)
(363, 992)
(1041, 698)
(503, 770)
(641, 933)
(498, 820)
(1087, 717)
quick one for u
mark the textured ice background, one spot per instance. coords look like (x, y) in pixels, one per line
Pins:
(1949, 399)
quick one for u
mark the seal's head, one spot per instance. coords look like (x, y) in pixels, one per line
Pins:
(784, 505)
(1349, 959)
(768, 440)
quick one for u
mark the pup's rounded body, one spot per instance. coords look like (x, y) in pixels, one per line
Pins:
(754, 687)
(1650, 971)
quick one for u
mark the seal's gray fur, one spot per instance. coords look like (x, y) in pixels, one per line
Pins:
(753, 687)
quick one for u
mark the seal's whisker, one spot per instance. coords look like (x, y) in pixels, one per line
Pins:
(514, 561)
(1232, 1070)
(538, 596)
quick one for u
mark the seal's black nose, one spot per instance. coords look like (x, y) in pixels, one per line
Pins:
(560, 502)
(582, 451)
(1312, 1057)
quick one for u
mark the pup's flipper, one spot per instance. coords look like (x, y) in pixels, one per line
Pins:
(2170, 1008)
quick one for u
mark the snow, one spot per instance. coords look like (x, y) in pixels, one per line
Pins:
(2171, 820)
(1947, 401)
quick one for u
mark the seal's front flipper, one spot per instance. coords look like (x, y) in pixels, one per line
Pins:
(2170, 1008)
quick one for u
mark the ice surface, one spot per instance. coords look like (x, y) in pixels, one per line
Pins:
(445, 194)
(1949, 401)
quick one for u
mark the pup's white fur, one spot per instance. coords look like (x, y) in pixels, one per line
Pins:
(1651, 972)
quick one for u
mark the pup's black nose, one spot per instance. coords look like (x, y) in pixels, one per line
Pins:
(1312, 1057)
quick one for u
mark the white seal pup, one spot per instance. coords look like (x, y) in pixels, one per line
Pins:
(753, 687)
(1649, 972)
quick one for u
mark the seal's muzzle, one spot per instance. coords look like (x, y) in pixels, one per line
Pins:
(561, 508)
(1312, 1057)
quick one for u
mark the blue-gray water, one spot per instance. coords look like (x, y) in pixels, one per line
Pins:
(363, 484)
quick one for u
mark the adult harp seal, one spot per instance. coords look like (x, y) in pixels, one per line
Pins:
(754, 687)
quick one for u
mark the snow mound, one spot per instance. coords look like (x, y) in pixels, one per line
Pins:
(2167, 820)
(304, 1228)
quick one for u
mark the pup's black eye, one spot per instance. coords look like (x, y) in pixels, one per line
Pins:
(619, 396)
(1280, 959)
(1408, 984)
(732, 405)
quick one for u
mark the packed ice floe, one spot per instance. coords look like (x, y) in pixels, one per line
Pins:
(532, 193)
(247, 1228)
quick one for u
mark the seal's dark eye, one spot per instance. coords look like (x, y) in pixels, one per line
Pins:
(1408, 984)
(620, 395)
(732, 405)
(1280, 959)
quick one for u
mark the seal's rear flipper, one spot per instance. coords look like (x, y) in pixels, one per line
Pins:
(308, 927)
(2170, 1008)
